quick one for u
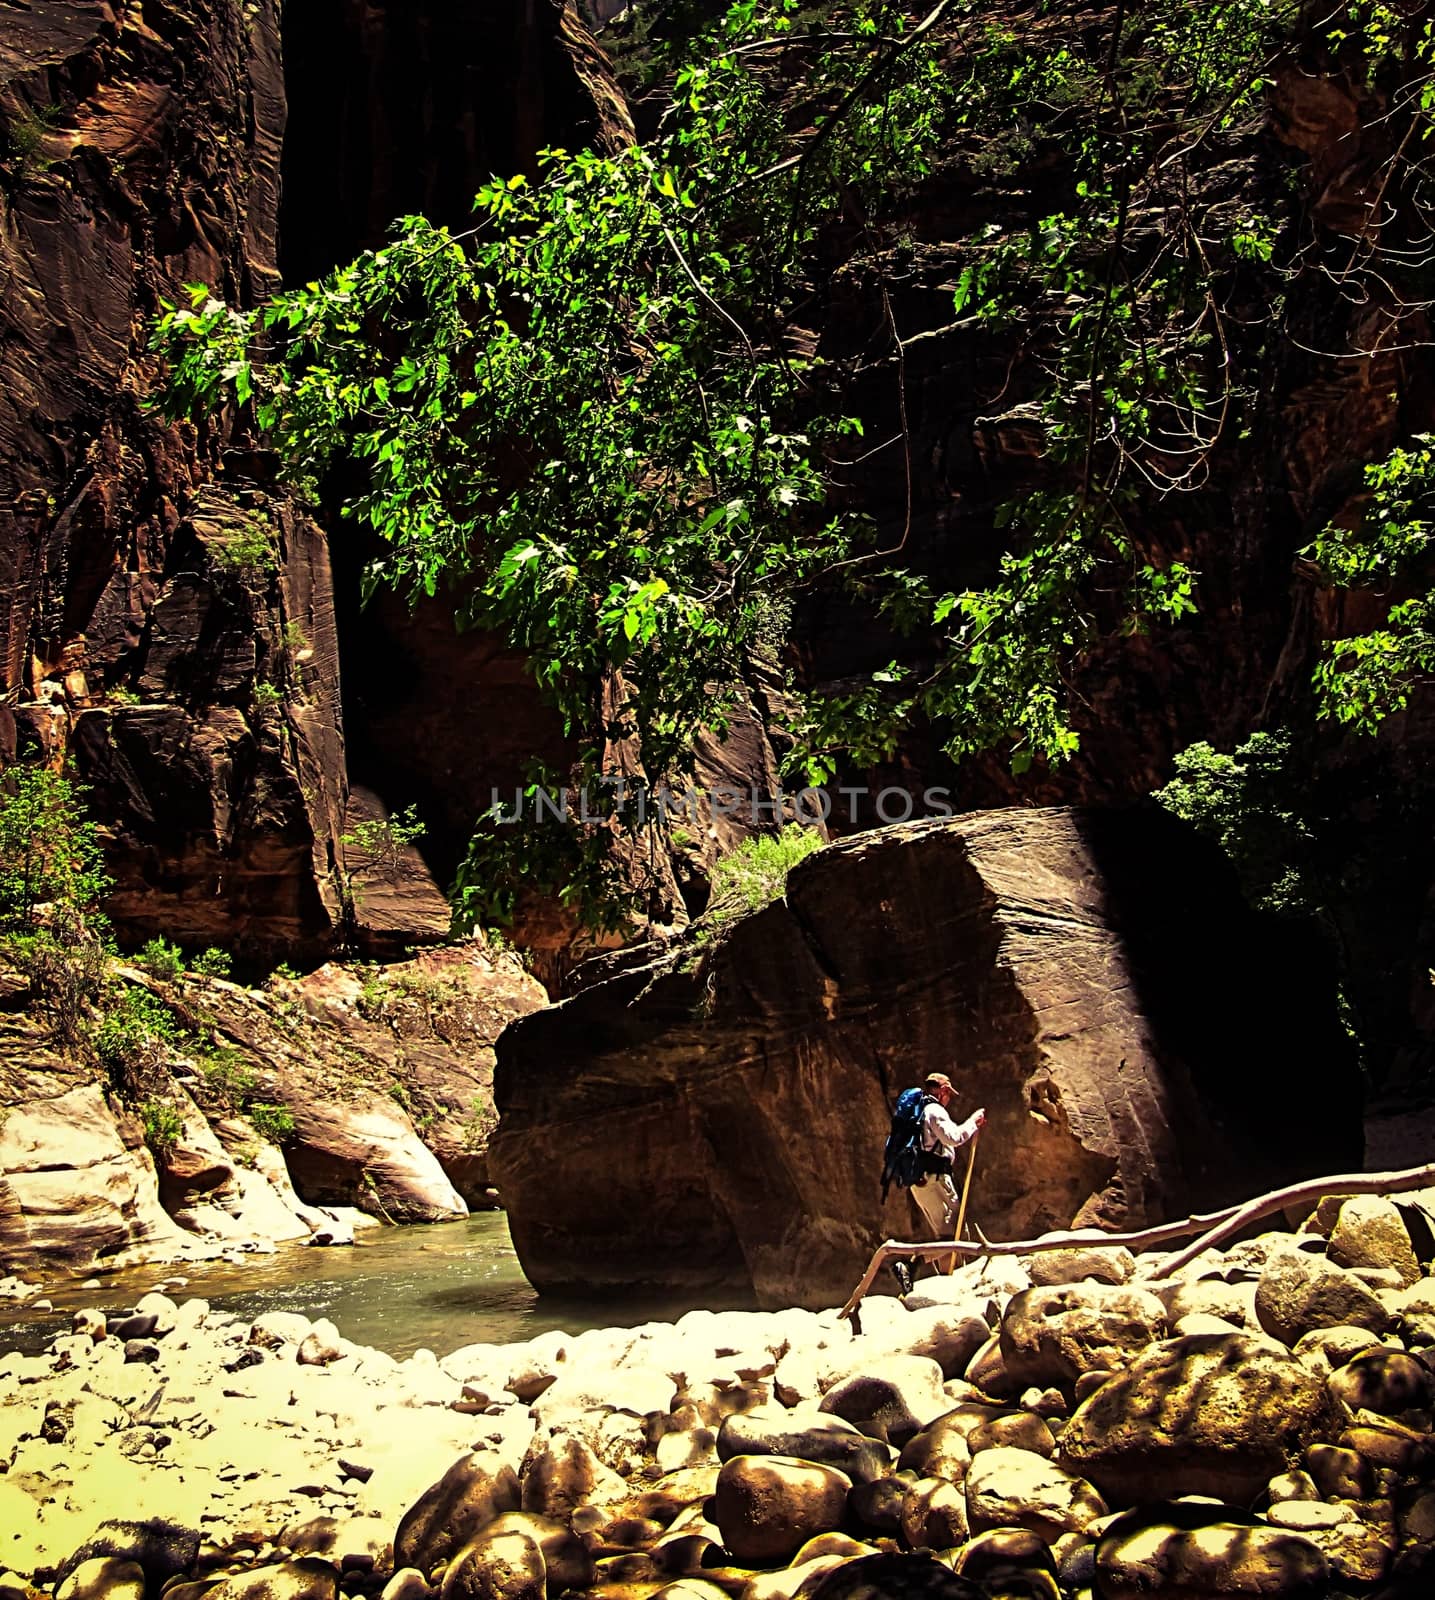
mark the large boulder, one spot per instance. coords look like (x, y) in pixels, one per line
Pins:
(1370, 1232)
(1008, 1488)
(941, 1450)
(1210, 1562)
(894, 1400)
(934, 1515)
(562, 1473)
(896, 1577)
(808, 1434)
(567, 1561)
(507, 1566)
(474, 1490)
(103, 1578)
(1054, 1335)
(1383, 1380)
(768, 1507)
(1073, 1264)
(160, 1547)
(76, 1180)
(364, 1151)
(303, 1578)
(747, 1081)
(1210, 1414)
(1299, 1292)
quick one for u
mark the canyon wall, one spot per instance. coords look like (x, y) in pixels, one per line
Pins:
(168, 614)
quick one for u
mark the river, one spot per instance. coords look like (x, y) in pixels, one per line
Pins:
(399, 1289)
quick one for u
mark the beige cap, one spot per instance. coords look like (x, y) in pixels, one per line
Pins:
(938, 1080)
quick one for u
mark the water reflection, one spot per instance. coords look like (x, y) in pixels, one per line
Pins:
(400, 1289)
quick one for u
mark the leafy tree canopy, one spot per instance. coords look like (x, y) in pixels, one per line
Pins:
(593, 420)
(1367, 677)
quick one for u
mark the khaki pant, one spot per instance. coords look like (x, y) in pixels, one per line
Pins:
(936, 1198)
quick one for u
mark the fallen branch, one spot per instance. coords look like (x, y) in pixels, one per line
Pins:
(1297, 1194)
(1214, 1227)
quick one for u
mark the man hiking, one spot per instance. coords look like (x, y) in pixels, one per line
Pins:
(920, 1156)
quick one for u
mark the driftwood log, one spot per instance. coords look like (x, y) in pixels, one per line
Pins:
(1214, 1227)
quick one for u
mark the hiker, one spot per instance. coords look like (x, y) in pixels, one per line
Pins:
(920, 1155)
(936, 1194)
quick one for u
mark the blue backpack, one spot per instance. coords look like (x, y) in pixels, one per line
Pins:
(904, 1161)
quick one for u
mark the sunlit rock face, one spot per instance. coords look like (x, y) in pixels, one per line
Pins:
(715, 1119)
(377, 1083)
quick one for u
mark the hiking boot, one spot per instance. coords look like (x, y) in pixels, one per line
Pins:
(902, 1272)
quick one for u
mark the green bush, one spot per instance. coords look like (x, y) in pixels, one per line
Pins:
(163, 961)
(213, 963)
(49, 850)
(132, 1036)
(163, 1125)
(754, 874)
(479, 1124)
(1254, 805)
(248, 548)
(270, 1121)
(25, 139)
(228, 1075)
(384, 839)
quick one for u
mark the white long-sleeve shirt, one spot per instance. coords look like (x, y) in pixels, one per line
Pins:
(940, 1133)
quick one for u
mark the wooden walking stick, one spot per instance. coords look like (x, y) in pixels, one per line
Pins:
(962, 1209)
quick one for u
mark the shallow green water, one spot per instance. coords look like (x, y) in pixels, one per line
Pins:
(400, 1289)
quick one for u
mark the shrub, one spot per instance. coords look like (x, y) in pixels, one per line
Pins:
(228, 1075)
(65, 965)
(270, 1121)
(1253, 805)
(25, 139)
(247, 548)
(267, 696)
(133, 1036)
(754, 874)
(163, 961)
(478, 1125)
(213, 963)
(382, 839)
(49, 851)
(374, 994)
(163, 1125)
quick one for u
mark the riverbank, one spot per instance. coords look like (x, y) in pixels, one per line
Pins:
(194, 1113)
(1010, 1413)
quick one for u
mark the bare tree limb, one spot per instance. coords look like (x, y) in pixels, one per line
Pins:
(1296, 1194)
(1214, 1227)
